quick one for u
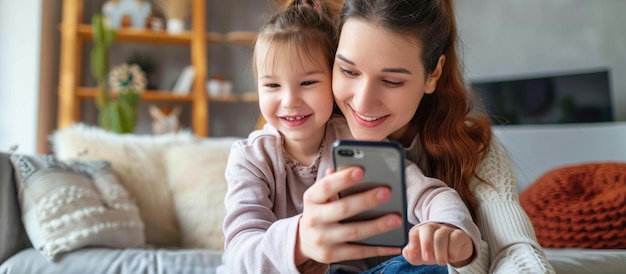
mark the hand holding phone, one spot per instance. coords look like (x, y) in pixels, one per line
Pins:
(383, 164)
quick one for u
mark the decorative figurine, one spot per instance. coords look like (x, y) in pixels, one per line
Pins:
(138, 11)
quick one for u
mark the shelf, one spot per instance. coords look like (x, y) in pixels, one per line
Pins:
(148, 95)
(224, 98)
(241, 37)
(85, 32)
(251, 96)
(164, 95)
(213, 37)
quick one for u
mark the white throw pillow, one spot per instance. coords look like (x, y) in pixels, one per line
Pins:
(196, 178)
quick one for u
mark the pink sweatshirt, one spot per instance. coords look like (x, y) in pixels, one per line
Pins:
(264, 201)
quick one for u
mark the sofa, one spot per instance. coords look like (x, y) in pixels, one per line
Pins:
(171, 187)
(176, 182)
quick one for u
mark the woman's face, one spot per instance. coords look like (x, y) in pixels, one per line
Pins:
(379, 80)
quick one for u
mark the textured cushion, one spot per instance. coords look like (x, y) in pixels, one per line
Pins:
(581, 205)
(137, 160)
(196, 177)
(69, 205)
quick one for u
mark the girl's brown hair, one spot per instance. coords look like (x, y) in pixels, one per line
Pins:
(306, 26)
(454, 135)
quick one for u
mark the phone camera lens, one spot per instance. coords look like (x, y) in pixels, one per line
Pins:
(346, 152)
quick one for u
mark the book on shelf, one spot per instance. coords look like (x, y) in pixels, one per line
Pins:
(185, 81)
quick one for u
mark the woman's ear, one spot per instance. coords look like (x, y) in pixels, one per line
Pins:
(433, 78)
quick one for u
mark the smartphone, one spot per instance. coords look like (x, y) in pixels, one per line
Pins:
(383, 164)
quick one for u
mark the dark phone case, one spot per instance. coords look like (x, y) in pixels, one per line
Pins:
(383, 163)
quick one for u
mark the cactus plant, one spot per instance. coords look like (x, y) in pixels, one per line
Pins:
(115, 114)
(127, 82)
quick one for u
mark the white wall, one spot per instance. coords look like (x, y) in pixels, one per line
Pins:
(512, 38)
(537, 149)
(20, 32)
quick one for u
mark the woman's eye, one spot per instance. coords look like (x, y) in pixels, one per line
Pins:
(348, 72)
(392, 83)
(308, 83)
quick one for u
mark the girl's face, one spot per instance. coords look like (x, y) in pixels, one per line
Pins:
(295, 94)
(379, 80)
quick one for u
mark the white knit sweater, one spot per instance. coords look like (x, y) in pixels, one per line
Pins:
(509, 244)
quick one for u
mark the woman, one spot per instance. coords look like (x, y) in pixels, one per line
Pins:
(268, 172)
(397, 76)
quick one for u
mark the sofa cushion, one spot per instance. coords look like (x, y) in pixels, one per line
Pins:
(12, 235)
(117, 261)
(137, 161)
(195, 174)
(69, 205)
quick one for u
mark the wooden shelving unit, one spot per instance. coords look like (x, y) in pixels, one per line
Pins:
(75, 34)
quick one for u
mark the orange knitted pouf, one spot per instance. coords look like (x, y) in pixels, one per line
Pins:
(581, 206)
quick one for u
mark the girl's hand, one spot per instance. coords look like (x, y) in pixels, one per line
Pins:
(320, 235)
(434, 243)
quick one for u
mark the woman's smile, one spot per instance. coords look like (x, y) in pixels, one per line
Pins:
(369, 121)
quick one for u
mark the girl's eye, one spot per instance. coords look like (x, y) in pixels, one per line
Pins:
(347, 72)
(308, 83)
(272, 85)
(392, 83)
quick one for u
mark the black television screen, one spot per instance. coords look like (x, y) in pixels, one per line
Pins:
(566, 98)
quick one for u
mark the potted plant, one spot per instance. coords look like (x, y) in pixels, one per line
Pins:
(119, 113)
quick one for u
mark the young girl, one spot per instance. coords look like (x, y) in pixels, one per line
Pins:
(268, 172)
(397, 76)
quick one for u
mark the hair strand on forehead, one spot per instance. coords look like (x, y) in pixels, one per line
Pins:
(298, 51)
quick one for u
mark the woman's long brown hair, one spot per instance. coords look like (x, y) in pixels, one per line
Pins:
(454, 134)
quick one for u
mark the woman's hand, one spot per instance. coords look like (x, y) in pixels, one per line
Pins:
(320, 235)
(434, 243)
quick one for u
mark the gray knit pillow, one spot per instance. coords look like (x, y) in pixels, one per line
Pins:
(67, 205)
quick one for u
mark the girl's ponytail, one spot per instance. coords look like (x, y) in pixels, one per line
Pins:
(327, 7)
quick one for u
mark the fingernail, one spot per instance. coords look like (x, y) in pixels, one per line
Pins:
(393, 222)
(357, 174)
(383, 195)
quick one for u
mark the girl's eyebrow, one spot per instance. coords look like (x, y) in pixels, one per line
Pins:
(317, 71)
(392, 70)
(311, 72)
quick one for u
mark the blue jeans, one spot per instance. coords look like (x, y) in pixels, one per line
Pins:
(397, 265)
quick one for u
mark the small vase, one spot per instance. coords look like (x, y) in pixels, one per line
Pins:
(213, 87)
(175, 25)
